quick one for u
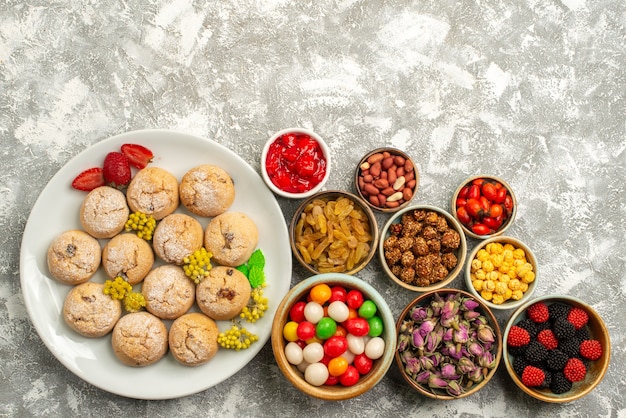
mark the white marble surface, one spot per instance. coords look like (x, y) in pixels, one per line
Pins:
(530, 90)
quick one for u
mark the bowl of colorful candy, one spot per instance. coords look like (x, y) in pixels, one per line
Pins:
(556, 348)
(501, 271)
(485, 206)
(422, 248)
(387, 179)
(333, 336)
(333, 232)
(295, 163)
(449, 344)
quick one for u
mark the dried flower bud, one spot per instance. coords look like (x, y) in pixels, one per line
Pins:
(418, 340)
(465, 365)
(454, 388)
(412, 366)
(423, 377)
(461, 335)
(436, 382)
(469, 304)
(485, 334)
(448, 372)
(419, 313)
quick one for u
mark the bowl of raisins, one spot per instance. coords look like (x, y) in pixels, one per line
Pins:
(484, 205)
(333, 232)
(422, 248)
(556, 348)
(295, 163)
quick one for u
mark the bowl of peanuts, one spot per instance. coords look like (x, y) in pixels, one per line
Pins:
(422, 248)
(333, 231)
(387, 179)
(501, 271)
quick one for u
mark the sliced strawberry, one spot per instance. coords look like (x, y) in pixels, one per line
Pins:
(138, 155)
(89, 179)
(116, 170)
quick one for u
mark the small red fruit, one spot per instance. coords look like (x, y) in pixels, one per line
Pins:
(591, 349)
(578, 317)
(517, 337)
(89, 179)
(547, 339)
(480, 229)
(138, 155)
(533, 376)
(538, 312)
(575, 370)
(474, 208)
(116, 170)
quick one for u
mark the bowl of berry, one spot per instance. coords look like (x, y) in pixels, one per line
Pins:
(556, 348)
(484, 205)
(295, 163)
(333, 336)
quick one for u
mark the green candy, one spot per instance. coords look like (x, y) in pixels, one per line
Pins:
(376, 326)
(368, 309)
(325, 328)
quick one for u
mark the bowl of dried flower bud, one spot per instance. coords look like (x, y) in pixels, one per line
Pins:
(333, 232)
(556, 348)
(387, 179)
(449, 344)
(502, 272)
(422, 248)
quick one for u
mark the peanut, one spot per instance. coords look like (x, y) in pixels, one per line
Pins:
(386, 180)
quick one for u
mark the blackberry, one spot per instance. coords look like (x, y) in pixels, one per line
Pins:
(547, 380)
(516, 351)
(519, 364)
(559, 383)
(535, 352)
(570, 347)
(583, 334)
(529, 325)
(556, 360)
(563, 329)
(558, 311)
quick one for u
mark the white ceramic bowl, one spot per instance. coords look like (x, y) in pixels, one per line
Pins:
(292, 195)
(510, 303)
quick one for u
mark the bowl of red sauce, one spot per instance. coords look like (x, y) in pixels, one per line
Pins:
(295, 163)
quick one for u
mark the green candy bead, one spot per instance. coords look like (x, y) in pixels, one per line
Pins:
(368, 309)
(376, 326)
(325, 328)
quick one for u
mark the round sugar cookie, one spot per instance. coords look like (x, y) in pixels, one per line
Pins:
(139, 339)
(223, 294)
(168, 292)
(104, 212)
(89, 312)
(177, 236)
(73, 257)
(128, 256)
(193, 339)
(207, 190)
(231, 237)
(153, 191)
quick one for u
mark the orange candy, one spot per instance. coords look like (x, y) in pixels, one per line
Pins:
(337, 366)
(320, 293)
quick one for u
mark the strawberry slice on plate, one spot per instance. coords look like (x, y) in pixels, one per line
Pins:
(89, 179)
(138, 155)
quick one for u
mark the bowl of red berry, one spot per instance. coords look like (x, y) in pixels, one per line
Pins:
(485, 206)
(295, 163)
(556, 348)
(333, 336)
(387, 179)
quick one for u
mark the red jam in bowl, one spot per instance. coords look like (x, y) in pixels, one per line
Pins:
(295, 162)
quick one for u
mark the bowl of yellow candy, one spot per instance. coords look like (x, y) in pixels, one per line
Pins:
(501, 271)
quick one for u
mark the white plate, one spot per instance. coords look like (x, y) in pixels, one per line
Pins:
(56, 210)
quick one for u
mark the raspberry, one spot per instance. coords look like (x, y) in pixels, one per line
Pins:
(575, 370)
(591, 349)
(517, 337)
(547, 338)
(578, 317)
(538, 312)
(533, 376)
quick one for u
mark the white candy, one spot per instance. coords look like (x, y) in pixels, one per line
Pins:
(375, 348)
(316, 374)
(356, 345)
(313, 312)
(293, 352)
(349, 356)
(302, 366)
(313, 352)
(338, 311)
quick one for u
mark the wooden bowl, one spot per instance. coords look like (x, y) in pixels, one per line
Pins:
(300, 243)
(509, 303)
(505, 224)
(460, 252)
(295, 376)
(424, 300)
(363, 168)
(596, 369)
